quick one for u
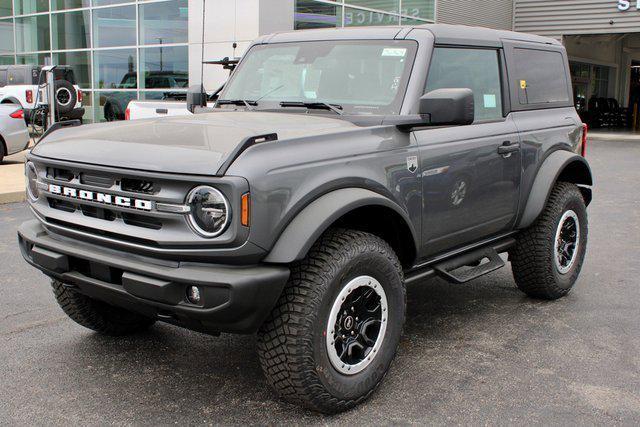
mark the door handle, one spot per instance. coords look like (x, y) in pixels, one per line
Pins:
(507, 148)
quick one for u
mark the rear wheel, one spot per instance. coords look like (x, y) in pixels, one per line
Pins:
(97, 315)
(548, 256)
(334, 332)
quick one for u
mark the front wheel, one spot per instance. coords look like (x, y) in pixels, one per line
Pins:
(334, 332)
(548, 256)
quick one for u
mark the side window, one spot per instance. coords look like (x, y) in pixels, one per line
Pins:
(540, 76)
(476, 69)
(3, 78)
(15, 76)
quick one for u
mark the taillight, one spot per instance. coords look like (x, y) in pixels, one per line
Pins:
(29, 95)
(583, 149)
(18, 114)
(79, 95)
(127, 114)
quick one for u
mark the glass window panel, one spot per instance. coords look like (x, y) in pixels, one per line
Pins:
(114, 26)
(424, 9)
(32, 33)
(110, 106)
(79, 62)
(311, 14)
(162, 95)
(6, 8)
(7, 60)
(69, 4)
(476, 69)
(32, 59)
(23, 7)
(87, 104)
(386, 5)
(413, 21)
(6, 36)
(115, 69)
(540, 76)
(70, 30)
(164, 22)
(108, 2)
(359, 18)
(164, 67)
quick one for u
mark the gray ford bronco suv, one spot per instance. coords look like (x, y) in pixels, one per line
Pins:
(336, 167)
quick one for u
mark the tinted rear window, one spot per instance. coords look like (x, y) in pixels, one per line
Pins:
(541, 77)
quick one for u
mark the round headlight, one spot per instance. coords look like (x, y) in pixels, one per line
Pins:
(210, 212)
(31, 176)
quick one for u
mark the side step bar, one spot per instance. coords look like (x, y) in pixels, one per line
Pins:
(469, 266)
(463, 267)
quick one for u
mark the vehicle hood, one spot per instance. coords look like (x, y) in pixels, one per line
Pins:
(196, 144)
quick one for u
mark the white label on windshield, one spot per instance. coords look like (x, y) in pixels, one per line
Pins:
(390, 51)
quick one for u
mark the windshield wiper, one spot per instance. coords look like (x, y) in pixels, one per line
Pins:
(246, 103)
(314, 105)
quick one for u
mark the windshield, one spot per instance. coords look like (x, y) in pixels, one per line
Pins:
(361, 77)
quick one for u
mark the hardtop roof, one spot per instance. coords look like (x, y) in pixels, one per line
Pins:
(443, 34)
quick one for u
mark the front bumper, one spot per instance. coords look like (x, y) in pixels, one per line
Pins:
(234, 299)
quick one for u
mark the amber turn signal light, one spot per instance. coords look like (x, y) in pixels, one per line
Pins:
(244, 211)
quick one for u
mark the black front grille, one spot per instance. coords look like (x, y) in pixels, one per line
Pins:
(103, 181)
(100, 213)
(138, 186)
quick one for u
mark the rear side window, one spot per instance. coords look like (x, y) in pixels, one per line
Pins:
(475, 69)
(540, 76)
(3, 78)
(15, 76)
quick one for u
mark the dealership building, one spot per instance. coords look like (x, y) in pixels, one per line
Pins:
(122, 49)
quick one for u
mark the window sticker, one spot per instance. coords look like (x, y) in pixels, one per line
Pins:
(390, 51)
(523, 84)
(490, 100)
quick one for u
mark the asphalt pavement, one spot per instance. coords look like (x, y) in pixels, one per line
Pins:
(474, 354)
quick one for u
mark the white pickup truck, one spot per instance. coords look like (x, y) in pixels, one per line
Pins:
(175, 104)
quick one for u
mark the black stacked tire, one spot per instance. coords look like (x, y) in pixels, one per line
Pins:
(533, 259)
(97, 315)
(292, 343)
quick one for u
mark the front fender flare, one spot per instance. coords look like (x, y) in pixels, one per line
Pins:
(551, 170)
(302, 232)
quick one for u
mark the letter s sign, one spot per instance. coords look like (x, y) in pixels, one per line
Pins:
(623, 5)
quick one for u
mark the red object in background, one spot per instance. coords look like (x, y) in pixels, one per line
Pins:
(29, 95)
(585, 130)
(127, 114)
(19, 114)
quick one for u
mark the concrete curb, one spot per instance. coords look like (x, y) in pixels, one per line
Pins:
(12, 197)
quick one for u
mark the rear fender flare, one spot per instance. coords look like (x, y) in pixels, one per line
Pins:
(308, 225)
(560, 165)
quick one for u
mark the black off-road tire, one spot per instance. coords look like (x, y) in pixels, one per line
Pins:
(70, 97)
(97, 315)
(533, 257)
(292, 342)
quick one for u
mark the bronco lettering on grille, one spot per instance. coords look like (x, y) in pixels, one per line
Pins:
(107, 199)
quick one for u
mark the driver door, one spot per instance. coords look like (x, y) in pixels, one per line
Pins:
(470, 174)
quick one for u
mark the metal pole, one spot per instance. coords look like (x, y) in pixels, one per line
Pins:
(51, 97)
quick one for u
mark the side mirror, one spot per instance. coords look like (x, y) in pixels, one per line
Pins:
(448, 106)
(196, 97)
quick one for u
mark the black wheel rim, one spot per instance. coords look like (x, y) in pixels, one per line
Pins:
(356, 325)
(567, 241)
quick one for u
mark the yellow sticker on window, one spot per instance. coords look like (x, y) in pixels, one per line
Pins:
(523, 84)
